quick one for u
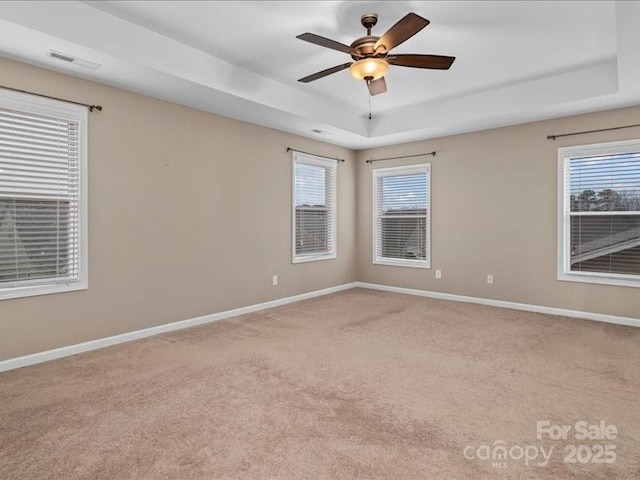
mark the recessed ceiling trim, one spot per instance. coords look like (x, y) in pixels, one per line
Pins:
(152, 61)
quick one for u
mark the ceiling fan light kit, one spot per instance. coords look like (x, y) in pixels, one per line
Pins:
(369, 69)
(371, 54)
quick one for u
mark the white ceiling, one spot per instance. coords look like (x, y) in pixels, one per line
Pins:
(516, 61)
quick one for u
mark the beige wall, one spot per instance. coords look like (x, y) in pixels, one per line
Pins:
(189, 214)
(494, 199)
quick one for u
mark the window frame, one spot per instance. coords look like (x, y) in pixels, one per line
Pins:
(396, 171)
(61, 110)
(313, 160)
(564, 272)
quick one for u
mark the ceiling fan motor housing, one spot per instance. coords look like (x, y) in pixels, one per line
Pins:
(363, 47)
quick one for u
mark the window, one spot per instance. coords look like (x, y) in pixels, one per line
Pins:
(599, 213)
(42, 195)
(402, 216)
(314, 208)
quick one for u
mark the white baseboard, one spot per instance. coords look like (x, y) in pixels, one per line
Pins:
(40, 357)
(600, 317)
(26, 360)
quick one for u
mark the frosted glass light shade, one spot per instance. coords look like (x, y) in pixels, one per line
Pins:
(369, 68)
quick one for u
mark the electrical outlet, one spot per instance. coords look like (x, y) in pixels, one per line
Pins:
(274, 280)
(438, 274)
(490, 279)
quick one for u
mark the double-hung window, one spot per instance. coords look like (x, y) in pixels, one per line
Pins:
(402, 216)
(42, 195)
(599, 213)
(314, 208)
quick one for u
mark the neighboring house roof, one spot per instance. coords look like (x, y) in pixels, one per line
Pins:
(17, 251)
(608, 245)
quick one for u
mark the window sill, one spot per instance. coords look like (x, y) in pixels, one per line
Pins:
(314, 258)
(33, 290)
(600, 279)
(402, 263)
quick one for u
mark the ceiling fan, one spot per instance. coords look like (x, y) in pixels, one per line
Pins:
(371, 54)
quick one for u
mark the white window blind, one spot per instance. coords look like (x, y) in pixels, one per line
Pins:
(601, 213)
(402, 216)
(40, 188)
(314, 213)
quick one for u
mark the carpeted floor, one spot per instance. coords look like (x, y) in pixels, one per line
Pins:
(359, 384)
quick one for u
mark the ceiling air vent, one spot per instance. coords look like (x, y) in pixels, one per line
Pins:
(61, 56)
(64, 57)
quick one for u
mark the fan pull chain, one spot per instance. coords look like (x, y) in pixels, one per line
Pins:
(369, 106)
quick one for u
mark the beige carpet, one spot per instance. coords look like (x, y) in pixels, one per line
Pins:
(359, 384)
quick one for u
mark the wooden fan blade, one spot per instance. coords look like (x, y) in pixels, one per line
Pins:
(437, 62)
(406, 28)
(324, 73)
(325, 42)
(377, 87)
